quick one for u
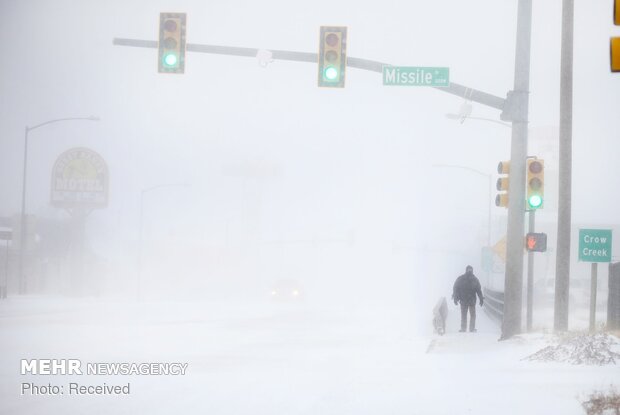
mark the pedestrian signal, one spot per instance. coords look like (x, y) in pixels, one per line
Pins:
(536, 242)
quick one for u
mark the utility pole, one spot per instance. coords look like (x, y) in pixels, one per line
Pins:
(516, 111)
(530, 274)
(562, 259)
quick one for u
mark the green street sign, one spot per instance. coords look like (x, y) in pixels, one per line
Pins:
(595, 245)
(415, 76)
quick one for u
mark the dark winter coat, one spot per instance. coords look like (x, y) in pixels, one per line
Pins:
(465, 289)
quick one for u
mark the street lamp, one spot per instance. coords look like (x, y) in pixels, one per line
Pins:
(462, 118)
(23, 233)
(142, 193)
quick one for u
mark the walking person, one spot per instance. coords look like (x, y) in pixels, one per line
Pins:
(466, 287)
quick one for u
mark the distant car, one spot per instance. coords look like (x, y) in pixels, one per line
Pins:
(286, 290)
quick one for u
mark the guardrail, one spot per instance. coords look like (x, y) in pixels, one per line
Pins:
(494, 304)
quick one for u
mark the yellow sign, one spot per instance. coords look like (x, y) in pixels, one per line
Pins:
(500, 248)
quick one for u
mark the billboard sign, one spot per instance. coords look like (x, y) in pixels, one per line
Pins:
(80, 179)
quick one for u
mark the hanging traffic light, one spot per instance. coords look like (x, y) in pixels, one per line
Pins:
(501, 199)
(536, 242)
(171, 57)
(614, 43)
(535, 186)
(332, 56)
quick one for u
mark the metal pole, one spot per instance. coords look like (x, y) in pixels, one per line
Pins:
(562, 261)
(139, 278)
(530, 273)
(593, 288)
(21, 280)
(513, 285)
(6, 271)
(22, 243)
(489, 227)
(364, 64)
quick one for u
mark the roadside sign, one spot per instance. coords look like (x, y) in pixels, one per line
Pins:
(6, 235)
(80, 178)
(415, 76)
(595, 245)
(500, 249)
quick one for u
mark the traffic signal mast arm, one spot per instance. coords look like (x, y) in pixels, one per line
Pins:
(514, 109)
(287, 55)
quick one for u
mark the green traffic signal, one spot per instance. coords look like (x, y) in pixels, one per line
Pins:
(171, 59)
(332, 56)
(535, 201)
(535, 185)
(331, 73)
(172, 43)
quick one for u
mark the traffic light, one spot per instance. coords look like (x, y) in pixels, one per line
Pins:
(332, 56)
(536, 242)
(535, 185)
(614, 44)
(171, 57)
(501, 199)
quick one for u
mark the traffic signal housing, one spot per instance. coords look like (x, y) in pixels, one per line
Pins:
(332, 56)
(536, 242)
(535, 185)
(614, 43)
(503, 168)
(171, 56)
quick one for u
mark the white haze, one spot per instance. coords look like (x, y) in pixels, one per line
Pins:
(345, 191)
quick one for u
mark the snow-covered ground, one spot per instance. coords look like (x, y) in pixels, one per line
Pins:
(265, 358)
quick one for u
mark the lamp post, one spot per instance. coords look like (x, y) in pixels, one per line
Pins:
(23, 233)
(463, 117)
(141, 222)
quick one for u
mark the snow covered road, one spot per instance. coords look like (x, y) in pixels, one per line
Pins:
(264, 358)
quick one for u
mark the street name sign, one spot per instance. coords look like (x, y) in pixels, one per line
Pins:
(415, 76)
(595, 245)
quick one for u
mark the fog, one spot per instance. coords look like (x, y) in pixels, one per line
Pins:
(232, 177)
(248, 174)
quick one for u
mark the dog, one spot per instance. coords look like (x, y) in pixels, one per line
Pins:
(440, 314)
